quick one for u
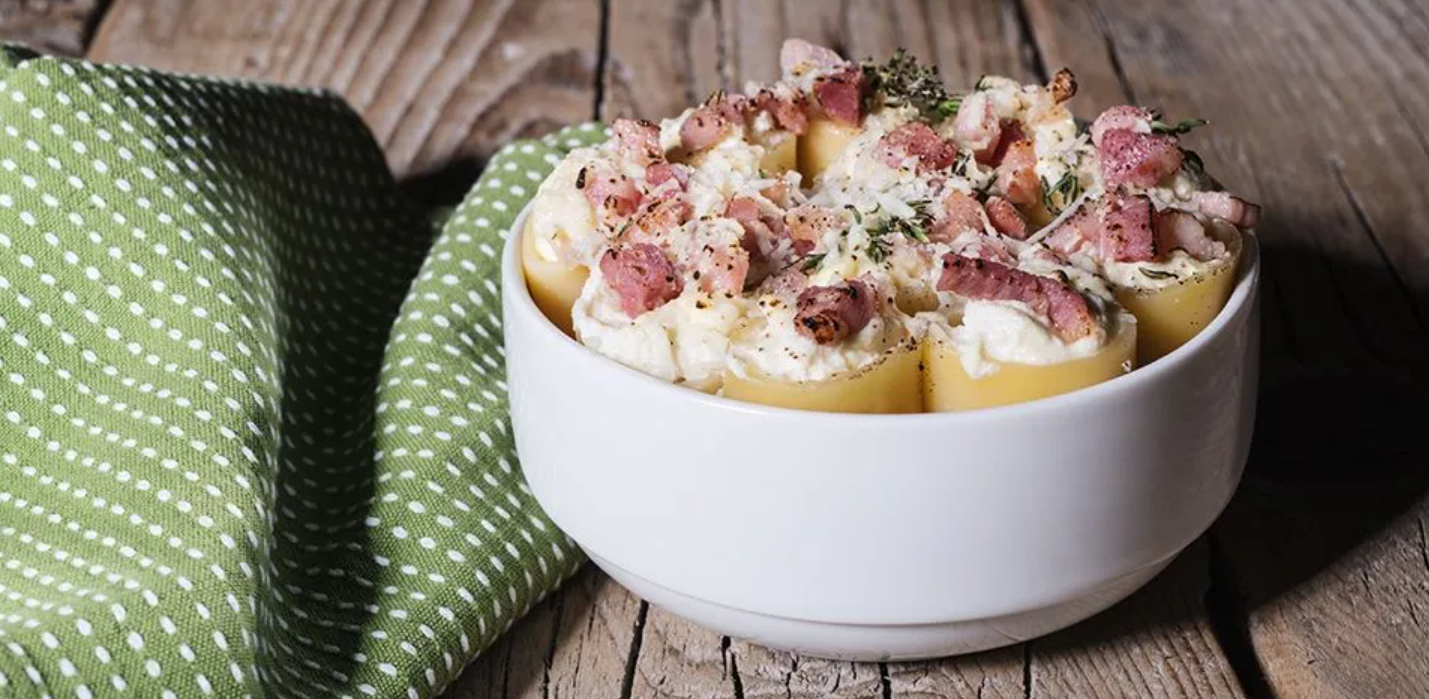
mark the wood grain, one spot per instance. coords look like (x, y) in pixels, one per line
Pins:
(1158, 643)
(1320, 113)
(577, 644)
(664, 56)
(440, 82)
(50, 26)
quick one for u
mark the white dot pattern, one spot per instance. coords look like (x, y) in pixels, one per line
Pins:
(253, 435)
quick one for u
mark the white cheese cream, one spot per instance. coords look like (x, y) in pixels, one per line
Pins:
(988, 332)
(562, 222)
(992, 332)
(1176, 268)
(767, 346)
(684, 341)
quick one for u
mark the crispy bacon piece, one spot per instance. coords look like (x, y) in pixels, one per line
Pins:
(828, 314)
(708, 125)
(641, 276)
(604, 187)
(1122, 118)
(1005, 218)
(1067, 311)
(1063, 86)
(807, 225)
(657, 174)
(790, 112)
(916, 140)
(840, 95)
(1017, 174)
(1078, 232)
(757, 225)
(961, 213)
(798, 56)
(1178, 229)
(1009, 132)
(1126, 230)
(638, 141)
(659, 217)
(1232, 209)
(1137, 159)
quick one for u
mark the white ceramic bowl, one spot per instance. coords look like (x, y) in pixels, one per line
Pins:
(882, 537)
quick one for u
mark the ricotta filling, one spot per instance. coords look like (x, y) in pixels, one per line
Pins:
(684, 341)
(767, 346)
(994, 332)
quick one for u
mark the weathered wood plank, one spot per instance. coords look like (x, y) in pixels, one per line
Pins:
(439, 82)
(665, 56)
(1158, 643)
(50, 26)
(576, 645)
(1320, 112)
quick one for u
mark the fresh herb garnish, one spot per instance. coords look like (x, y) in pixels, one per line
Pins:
(877, 249)
(1157, 274)
(960, 163)
(812, 262)
(857, 215)
(915, 227)
(1181, 127)
(904, 82)
(1057, 197)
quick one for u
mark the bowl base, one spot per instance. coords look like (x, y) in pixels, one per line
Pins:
(874, 642)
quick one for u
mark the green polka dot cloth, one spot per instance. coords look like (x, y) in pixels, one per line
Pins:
(253, 423)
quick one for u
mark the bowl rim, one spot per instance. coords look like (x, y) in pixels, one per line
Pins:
(515, 292)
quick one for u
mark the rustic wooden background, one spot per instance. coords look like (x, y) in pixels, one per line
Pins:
(1315, 583)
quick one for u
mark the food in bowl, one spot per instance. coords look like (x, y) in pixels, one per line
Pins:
(856, 238)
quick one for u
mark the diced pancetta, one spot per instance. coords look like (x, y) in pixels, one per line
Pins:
(828, 314)
(807, 225)
(1137, 159)
(1066, 310)
(961, 212)
(1179, 229)
(1122, 118)
(1005, 218)
(608, 190)
(1017, 174)
(840, 95)
(638, 141)
(1126, 234)
(641, 276)
(1228, 207)
(915, 140)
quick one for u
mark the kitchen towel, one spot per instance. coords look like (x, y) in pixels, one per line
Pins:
(253, 422)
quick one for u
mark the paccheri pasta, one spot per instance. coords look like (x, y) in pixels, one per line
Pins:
(855, 238)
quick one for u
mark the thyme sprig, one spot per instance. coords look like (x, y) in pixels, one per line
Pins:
(1179, 128)
(914, 227)
(1057, 197)
(904, 82)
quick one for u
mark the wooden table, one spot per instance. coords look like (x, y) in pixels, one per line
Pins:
(1315, 583)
